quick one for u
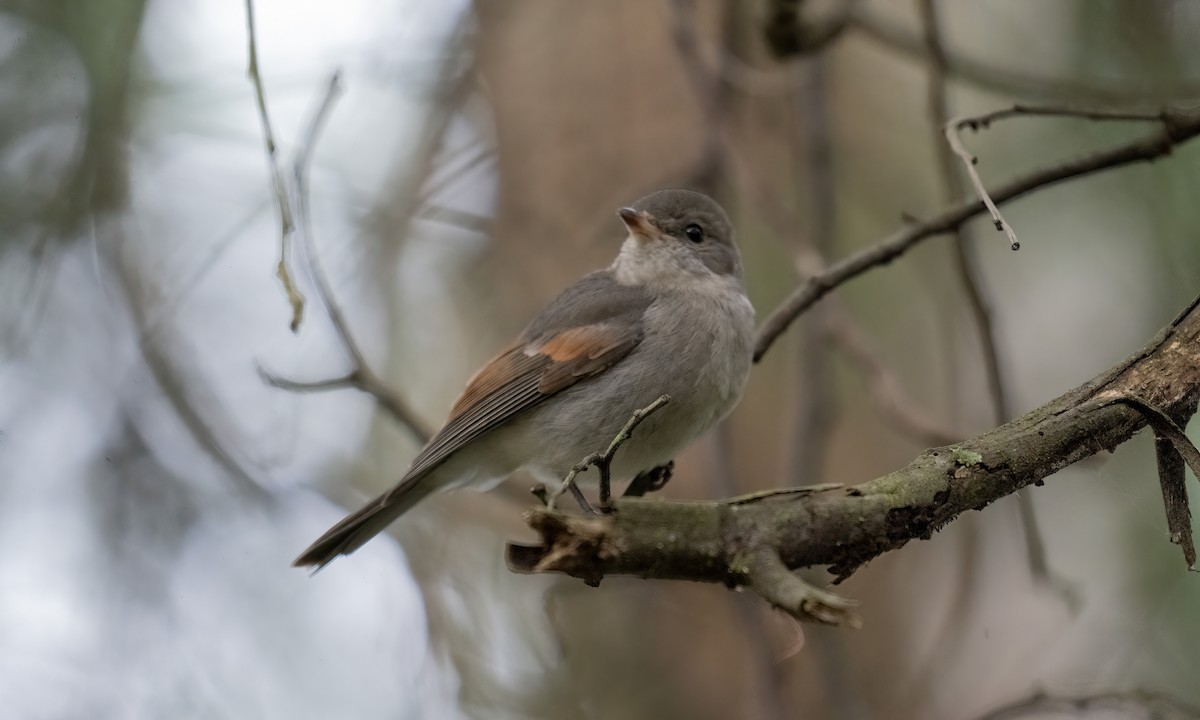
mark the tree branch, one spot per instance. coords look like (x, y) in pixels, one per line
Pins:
(361, 377)
(845, 527)
(1178, 127)
(287, 223)
(603, 461)
(774, 582)
(953, 128)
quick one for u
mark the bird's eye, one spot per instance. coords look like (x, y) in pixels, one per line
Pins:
(694, 232)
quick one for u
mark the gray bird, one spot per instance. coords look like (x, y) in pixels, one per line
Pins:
(669, 316)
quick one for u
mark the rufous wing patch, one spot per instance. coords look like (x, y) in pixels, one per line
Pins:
(523, 375)
(584, 351)
(511, 365)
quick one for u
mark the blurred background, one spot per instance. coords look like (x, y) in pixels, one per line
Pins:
(154, 488)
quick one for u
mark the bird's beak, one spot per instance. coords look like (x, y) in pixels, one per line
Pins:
(640, 223)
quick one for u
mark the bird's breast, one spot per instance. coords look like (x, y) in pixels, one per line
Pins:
(696, 347)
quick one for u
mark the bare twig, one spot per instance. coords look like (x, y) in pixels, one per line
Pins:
(970, 161)
(300, 189)
(361, 377)
(603, 461)
(1178, 128)
(286, 222)
(983, 122)
(952, 129)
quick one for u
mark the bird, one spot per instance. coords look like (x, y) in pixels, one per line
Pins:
(669, 316)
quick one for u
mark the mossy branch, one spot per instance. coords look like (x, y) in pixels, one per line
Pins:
(754, 542)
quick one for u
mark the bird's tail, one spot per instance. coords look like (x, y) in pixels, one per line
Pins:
(356, 529)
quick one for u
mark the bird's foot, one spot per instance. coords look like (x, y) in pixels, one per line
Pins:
(651, 480)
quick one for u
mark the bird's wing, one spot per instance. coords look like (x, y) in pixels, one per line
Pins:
(585, 331)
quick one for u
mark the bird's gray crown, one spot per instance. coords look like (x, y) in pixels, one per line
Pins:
(679, 213)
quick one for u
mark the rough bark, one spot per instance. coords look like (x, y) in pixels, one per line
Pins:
(735, 541)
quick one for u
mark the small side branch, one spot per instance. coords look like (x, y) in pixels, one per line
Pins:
(603, 461)
(287, 223)
(953, 128)
(976, 123)
(363, 379)
(783, 589)
(1178, 128)
(361, 376)
(970, 162)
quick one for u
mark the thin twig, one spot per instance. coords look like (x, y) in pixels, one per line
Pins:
(603, 461)
(286, 223)
(361, 377)
(1179, 128)
(333, 89)
(761, 495)
(970, 161)
(983, 122)
(886, 391)
(952, 129)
